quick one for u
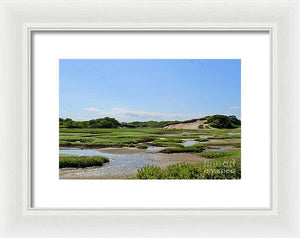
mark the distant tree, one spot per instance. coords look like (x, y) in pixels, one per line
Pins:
(223, 122)
(217, 121)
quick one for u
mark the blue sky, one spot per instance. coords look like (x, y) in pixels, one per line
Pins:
(142, 90)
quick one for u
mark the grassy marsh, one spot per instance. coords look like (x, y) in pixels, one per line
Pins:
(199, 147)
(81, 161)
(131, 137)
(169, 141)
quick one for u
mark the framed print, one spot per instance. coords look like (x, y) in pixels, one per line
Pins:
(185, 124)
(179, 144)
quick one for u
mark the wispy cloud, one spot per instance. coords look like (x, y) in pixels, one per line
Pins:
(92, 109)
(127, 115)
(235, 107)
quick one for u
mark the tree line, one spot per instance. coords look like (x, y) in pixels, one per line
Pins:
(216, 121)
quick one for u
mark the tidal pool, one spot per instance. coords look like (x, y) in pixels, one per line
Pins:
(233, 134)
(215, 149)
(153, 148)
(187, 143)
(79, 152)
(203, 136)
(219, 148)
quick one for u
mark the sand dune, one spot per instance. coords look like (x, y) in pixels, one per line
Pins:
(190, 125)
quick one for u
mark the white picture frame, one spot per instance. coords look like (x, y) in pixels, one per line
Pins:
(20, 18)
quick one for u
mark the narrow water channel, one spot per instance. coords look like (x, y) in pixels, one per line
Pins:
(187, 143)
(233, 134)
(153, 148)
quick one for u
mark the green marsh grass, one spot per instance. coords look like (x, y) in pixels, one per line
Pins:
(93, 138)
(201, 139)
(167, 142)
(225, 165)
(81, 161)
(198, 147)
(189, 149)
(222, 154)
(143, 146)
(226, 137)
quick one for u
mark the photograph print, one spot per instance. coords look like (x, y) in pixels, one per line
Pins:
(150, 119)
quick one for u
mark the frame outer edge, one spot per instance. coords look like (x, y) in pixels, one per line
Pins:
(3, 219)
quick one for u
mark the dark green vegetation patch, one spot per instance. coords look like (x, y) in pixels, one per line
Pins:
(222, 121)
(225, 165)
(81, 161)
(108, 122)
(198, 147)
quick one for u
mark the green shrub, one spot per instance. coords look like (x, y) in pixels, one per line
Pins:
(105, 122)
(218, 170)
(150, 172)
(183, 171)
(222, 121)
(225, 165)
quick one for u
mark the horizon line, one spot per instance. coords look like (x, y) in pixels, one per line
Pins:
(195, 118)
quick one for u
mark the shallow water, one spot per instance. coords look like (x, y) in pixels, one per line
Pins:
(218, 148)
(203, 136)
(215, 149)
(189, 143)
(153, 148)
(233, 134)
(79, 152)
